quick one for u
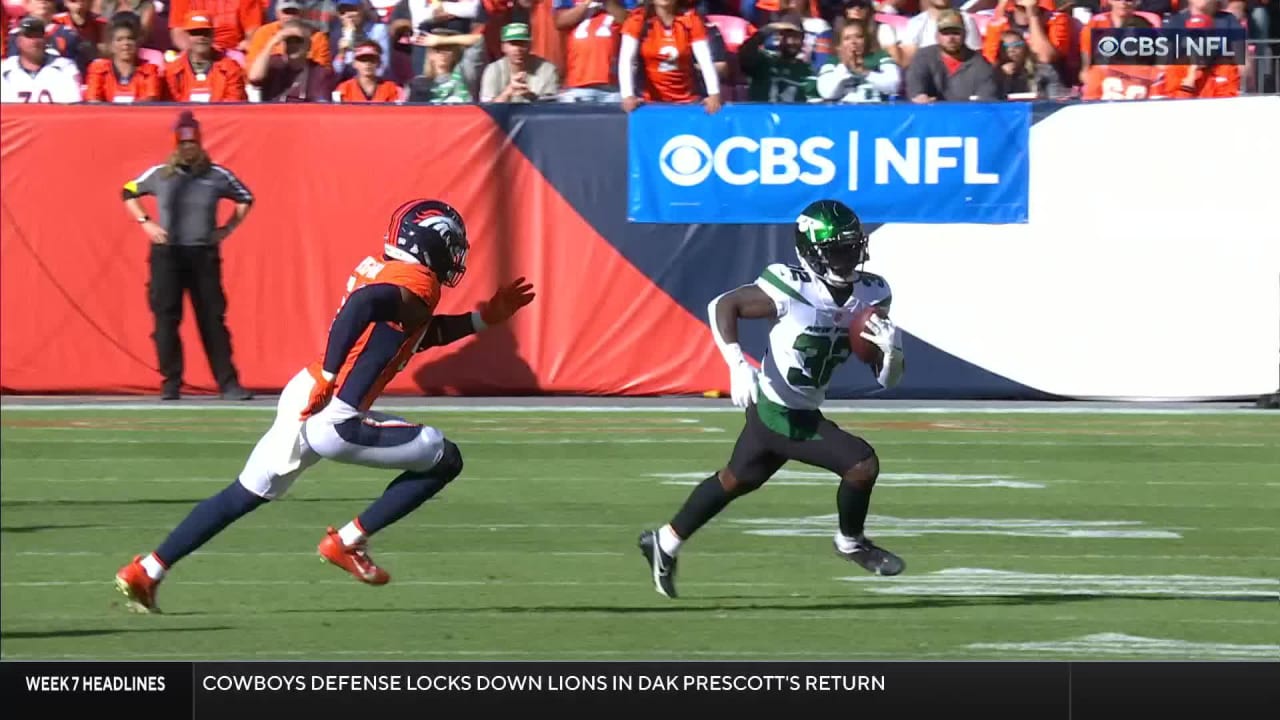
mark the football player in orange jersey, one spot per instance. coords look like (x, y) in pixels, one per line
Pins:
(385, 317)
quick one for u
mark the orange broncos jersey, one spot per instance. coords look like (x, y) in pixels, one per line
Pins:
(592, 49)
(1213, 81)
(103, 84)
(371, 364)
(1057, 27)
(349, 91)
(666, 55)
(94, 29)
(223, 83)
(1122, 82)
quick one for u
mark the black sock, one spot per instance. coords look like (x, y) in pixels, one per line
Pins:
(704, 503)
(206, 520)
(852, 502)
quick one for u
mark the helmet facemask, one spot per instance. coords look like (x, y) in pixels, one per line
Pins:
(835, 259)
(430, 233)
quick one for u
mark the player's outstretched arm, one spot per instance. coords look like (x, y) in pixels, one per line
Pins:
(446, 329)
(749, 302)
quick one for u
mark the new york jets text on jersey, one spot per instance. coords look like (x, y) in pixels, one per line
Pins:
(810, 338)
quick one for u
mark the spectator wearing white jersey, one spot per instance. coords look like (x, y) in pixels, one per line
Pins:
(34, 74)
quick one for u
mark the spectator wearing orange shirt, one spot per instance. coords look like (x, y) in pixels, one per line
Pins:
(122, 77)
(1121, 11)
(292, 76)
(288, 10)
(1202, 81)
(1046, 30)
(233, 21)
(88, 25)
(202, 74)
(367, 86)
(666, 39)
(591, 47)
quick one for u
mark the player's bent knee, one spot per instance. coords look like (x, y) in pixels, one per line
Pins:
(864, 473)
(450, 465)
(430, 452)
(739, 484)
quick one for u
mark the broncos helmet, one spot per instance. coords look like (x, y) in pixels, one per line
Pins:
(830, 242)
(430, 233)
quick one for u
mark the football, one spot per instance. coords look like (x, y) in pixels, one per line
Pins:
(865, 350)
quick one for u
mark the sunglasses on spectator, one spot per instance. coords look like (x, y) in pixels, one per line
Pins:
(1014, 44)
(951, 31)
(368, 57)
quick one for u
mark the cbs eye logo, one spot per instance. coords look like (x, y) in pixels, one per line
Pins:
(1108, 47)
(686, 160)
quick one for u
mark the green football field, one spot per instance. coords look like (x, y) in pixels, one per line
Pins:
(1026, 535)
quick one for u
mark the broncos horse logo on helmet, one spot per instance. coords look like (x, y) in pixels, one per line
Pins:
(830, 242)
(430, 233)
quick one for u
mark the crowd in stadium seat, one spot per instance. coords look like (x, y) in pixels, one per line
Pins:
(681, 51)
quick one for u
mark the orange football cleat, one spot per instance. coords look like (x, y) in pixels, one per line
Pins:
(133, 582)
(354, 559)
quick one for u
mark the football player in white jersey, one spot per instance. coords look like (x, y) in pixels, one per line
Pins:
(34, 74)
(810, 307)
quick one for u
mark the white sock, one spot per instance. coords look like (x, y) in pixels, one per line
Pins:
(155, 570)
(845, 543)
(669, 541)
(351, 533)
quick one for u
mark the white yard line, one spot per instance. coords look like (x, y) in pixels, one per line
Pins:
(672, 407)
(464, 438)
(611, 553)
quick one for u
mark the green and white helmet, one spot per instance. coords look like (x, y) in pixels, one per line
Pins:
(830, 242)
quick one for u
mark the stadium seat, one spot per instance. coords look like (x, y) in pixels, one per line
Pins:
(897, 22)
(1150, 17)
(152, 55)
(734, 30)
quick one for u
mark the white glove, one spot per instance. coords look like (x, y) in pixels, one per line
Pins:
(742, 383)
(884, 334)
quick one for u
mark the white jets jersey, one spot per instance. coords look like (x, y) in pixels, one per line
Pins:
(57, 81)
(811, 336)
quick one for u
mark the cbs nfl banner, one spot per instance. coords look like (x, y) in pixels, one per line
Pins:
(905, 163)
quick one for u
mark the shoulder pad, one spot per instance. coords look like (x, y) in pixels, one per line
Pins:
(874, 288)
(415, 278)
(785, 283)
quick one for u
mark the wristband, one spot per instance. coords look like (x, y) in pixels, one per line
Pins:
(477, 321)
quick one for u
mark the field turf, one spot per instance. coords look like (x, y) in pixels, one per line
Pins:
(1053, 536)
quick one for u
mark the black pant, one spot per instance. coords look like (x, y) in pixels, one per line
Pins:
(760, 452)
(197, 269)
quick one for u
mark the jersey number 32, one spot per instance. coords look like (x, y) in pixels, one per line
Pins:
(819, 357)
